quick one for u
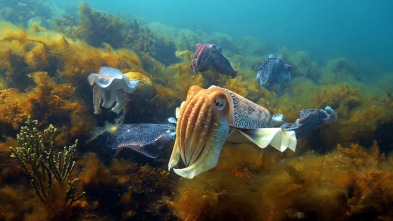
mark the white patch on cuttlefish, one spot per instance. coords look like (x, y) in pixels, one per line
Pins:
(277, 119)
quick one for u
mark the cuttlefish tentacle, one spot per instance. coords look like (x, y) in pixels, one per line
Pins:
(174, 156)
(120, 95)
(108, 98)
(97, 95)
(205, 134)
(194, 125)
(189, 116)
(209, 157)
(186, 117)
(197, 130)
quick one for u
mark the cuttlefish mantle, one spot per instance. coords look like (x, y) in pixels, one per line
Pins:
(110, 87)
(210, 117)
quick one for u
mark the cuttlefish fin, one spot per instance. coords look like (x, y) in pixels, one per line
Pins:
(149, 151)
(279, 139)
(119, 149)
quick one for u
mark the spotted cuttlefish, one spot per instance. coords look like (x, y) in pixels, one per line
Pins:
(151, 140)
(273, 75)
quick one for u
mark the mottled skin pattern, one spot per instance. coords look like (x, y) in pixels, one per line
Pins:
(274, 75)
(310, 119)
(209, 57)
(147, 139)
(204, 122)
(244, 113)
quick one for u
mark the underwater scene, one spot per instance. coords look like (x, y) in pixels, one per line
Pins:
(196, 110)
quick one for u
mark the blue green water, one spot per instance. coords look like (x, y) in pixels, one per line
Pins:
(359, 30)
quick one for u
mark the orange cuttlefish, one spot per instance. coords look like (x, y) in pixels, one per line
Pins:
(209, 117)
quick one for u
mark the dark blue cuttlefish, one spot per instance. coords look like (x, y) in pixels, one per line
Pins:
(209, 57)
(310, 119)
(147, 139)
(274, 75)
(151, 140)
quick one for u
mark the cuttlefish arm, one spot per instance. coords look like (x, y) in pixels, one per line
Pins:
(175, 152)
(209, 156)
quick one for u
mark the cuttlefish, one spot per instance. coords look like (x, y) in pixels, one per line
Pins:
(309, 120)
(209, 57)
(211, 116)
(147, 139)
(110, 87)
(151, 140)
(273, 75)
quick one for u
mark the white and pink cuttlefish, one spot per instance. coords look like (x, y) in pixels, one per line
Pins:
(110, 86)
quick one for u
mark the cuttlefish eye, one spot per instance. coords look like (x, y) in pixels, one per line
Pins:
(219, 103)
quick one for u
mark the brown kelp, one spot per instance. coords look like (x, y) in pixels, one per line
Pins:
(346, 184)
(123, 190)
(27, 54)
(48, 102)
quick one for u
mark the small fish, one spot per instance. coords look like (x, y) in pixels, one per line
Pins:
(310, 119)
(209, 57)
(274, 75)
